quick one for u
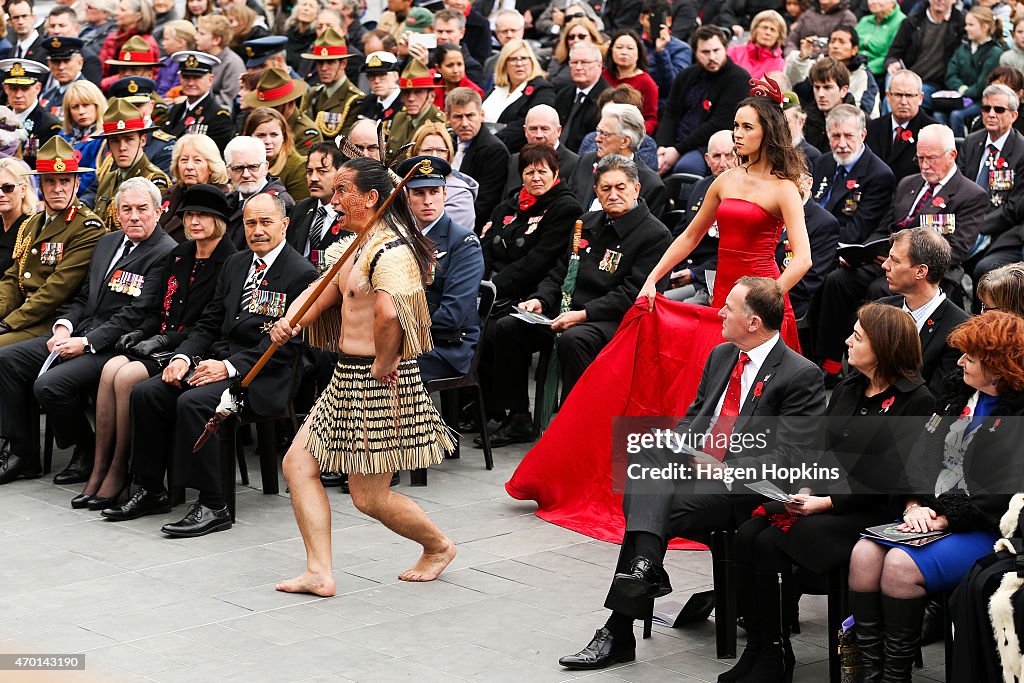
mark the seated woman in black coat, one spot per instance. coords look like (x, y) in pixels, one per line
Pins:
(519, 84)
(820, 532)
(966, 467)
(191, 277)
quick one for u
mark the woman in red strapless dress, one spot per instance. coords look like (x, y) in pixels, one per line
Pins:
(653, 364)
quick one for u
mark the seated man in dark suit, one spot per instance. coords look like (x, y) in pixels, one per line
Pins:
(451, 296)
(918, 259)
(624, 242)
(851, 182)
(823, 234)
(478, 153)
(893, 136)
(658, 511)
(254, 289)
(620, 132)
(122, 284)
(577, 103)
(939, 198)
(312, 226)
(542, 128)
(690, 284)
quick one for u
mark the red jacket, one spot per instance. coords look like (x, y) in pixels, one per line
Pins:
(112, 46)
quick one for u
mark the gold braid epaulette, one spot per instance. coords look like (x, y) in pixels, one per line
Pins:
(21, 248)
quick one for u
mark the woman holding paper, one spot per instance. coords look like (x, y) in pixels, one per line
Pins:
(965, 470)
(820, 528)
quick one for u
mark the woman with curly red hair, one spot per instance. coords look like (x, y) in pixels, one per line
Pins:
(965, 471)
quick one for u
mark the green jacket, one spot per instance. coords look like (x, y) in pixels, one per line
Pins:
(972, 69)
(876, 38)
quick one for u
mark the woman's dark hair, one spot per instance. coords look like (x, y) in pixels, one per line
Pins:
(641, 51)
(895, 340)
(1009, 76)
(538, 154)
(441, 52)
(994, 340)
(369, 175)
(787, 162)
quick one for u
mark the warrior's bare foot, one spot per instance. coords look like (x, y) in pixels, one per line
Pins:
(430, 565)
(309, 582)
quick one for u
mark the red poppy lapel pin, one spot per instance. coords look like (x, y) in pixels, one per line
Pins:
(707, 105)
(852, 184)
(528, 91)
(907, 136)
(584, 243)
(189, 120)
(995, 424)
(1001, 163)
(966, 412)
(939, 202)
(887, 403)
(758, 389)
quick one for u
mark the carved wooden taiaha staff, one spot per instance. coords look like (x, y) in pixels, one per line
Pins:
(229, 404)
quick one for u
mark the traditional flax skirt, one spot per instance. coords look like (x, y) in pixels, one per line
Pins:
(362, 426)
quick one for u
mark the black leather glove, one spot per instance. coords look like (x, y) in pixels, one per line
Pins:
(127, 341)
(157, 342)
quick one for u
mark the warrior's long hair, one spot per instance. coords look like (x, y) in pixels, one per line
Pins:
(370, 174)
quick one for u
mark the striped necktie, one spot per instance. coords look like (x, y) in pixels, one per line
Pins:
(250, 284)
(316, 232)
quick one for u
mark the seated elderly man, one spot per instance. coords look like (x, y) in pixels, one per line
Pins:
(620, 132)
(60, 242)
(624, 242)
(122, 284)
(254, 289)
(542, 128)
(246, 159)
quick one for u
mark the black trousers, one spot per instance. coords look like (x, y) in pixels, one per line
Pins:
(62, 391)
(516, 341)
(166, 421)
(834, 308)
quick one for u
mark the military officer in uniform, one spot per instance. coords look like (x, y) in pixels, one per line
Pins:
(124, 129)
(280, 91)
(140, 91)
(333, 103)
(417, 85)
(23, 81)
(381, 69)
(64, 55)
(137, 58)
(53, 249)
(267, 52)
(199, 113)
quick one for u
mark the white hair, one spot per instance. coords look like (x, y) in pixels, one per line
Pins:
(631, 121)
(138, 184)
(722, 137)
(511, 14)
(592, 48)
(245, 143)
(543, 110)
(940, 134)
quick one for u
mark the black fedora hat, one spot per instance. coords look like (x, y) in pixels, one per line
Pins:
(204, 198)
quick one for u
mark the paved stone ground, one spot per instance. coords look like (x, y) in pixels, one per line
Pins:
(520, 594)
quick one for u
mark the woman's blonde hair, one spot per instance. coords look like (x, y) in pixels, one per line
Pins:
(773, 17)
(147, 17)
(19, 169)
(207, 148)
(220, 227)
(80, 92)
(432, 128)
(183, 30)
(985, 16)
(501, 75)
(562, 49)
(255, 119)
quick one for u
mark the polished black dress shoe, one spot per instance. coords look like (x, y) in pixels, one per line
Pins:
(104, 502)
(13, 466)
(517, 428)
(78, 470)
(199, 521)
(697, 608)
(643, 580)
(81, 501)
(604, 650)
(395, 481)
(329, 479)
(141, 504)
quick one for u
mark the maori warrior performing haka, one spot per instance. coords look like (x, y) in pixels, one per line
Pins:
(375, 417)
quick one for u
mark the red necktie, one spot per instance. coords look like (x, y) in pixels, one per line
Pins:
(911, 218)
(730, 410)
(897, 134)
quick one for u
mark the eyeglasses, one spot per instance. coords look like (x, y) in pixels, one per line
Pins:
(574, 16)
(929, 159)
(242, 168)
(583, 62)
(903, 95)
(989, 308)
(577, 36)
(8, 188)
(518, 60)
(604, 133)
(986, 108)
(439, 152)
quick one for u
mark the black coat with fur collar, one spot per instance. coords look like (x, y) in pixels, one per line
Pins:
(993, 466)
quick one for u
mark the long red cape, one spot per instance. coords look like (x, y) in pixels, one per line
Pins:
(651, 367)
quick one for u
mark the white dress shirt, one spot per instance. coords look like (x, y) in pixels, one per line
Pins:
(922, 314)
(757, 355)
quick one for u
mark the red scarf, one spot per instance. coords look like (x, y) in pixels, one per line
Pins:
(526, 200)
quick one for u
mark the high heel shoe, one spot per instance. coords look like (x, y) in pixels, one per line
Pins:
(102, 503)
(81, 500)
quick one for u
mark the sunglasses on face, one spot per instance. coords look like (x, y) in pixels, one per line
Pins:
(986, 108)
(8, 188)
